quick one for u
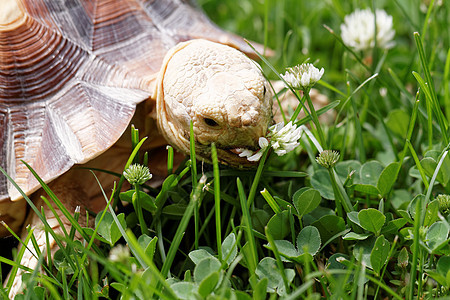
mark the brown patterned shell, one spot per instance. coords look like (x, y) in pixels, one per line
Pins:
(72, 72)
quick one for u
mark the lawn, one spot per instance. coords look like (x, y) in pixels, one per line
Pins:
(358, 210)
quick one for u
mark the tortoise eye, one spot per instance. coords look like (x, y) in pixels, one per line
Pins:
(264, 93)
(210, 122)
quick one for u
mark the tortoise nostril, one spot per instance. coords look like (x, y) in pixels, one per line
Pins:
(210, 122)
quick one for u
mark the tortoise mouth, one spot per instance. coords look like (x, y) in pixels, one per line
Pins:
(231, 157)
(227, 154)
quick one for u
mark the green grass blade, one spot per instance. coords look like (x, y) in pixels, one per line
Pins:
(182, 227)
(418, 165)
(256, 179)
(300, 291)
(331, 88)
(140, 259)
(319, 112)
(445, 84)
(358, 127)
(356, 56)
(384, 287)
(94, 234)
(267, 173)
(427, 19)
(55, 214)
(247, 222)
(411, 125)
(433, 99)
(16, 265)
(272, 203)
(433, 179)
(217, 199)
(38, 213)
(424, 87)
(349, 98)
(135, 142)
(415, 249)
(283, 115)
(60, 206)
(315, 120)
(169, 159)
(193, 159)
(135, 248)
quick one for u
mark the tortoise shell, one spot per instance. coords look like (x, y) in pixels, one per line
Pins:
(72, 72)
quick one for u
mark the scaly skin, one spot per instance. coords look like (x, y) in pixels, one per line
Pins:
(222, 91)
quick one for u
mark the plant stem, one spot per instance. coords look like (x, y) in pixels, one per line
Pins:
(314, 117)
(138, 209)
(217, 199)
(299, 107)
(341, 197)
(246, 220)
(337, 195)
(252, 194)
(169, 159)
(193, 158)
(195, 198)
(415, 249)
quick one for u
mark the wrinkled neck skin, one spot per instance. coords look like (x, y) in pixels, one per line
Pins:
(221, 91)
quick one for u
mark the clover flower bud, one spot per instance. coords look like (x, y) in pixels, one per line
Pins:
(137, 174)
(444, 203)
(302, 77)
(358, 30)
(403, 258)
(119, 253)
(328, 158)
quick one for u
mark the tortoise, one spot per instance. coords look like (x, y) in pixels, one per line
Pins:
(74, 74)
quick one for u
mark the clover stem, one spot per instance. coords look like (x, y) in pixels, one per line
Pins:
(217, 199)
(169, 160)
(252, 194)
(298, 108)
(138, 209)
(341, 197)
(314, 117)
(337, 195)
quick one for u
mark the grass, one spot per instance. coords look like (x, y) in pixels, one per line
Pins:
(373, 226)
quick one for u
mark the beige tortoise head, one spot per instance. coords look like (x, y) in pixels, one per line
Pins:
(71, 75)
(221, 91)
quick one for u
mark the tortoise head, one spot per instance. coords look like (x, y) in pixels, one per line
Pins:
(221, 91)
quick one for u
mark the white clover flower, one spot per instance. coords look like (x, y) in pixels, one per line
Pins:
(358, 30)
(302, 76)
(282, 139)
